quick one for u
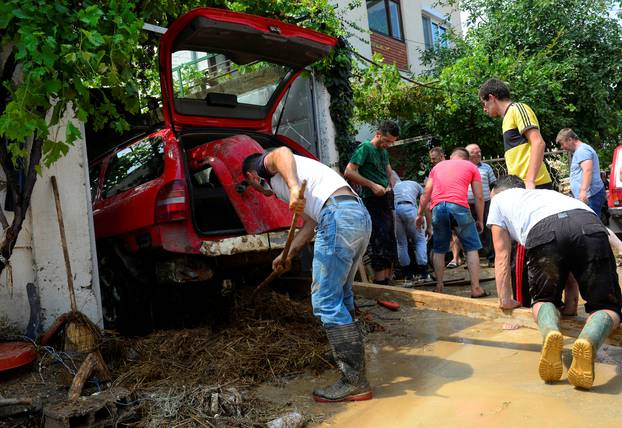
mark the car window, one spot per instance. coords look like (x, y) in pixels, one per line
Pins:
(134, 165)
(94, 179)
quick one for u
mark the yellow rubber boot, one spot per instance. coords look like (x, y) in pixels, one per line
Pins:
(550, 367)
(594, 333)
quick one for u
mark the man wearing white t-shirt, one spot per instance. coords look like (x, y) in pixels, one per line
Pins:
(562, 236)
(343, 226)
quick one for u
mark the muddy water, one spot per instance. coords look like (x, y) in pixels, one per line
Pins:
(433, 370)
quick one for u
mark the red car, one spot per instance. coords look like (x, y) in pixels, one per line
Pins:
(171, 206)
(614, 198)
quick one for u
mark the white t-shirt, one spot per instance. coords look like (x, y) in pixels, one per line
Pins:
(321, 183)
(518, 210)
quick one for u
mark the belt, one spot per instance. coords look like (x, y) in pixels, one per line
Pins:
(404, 203)
(341, 198)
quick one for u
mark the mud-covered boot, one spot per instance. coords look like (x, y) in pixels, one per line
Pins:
(346, 342)
(594, 333)
(550, 367)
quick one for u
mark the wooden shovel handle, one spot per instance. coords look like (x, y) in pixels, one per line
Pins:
(63, 238)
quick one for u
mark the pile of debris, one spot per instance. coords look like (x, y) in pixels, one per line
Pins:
(189, 375)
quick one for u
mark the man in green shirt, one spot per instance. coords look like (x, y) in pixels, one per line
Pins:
(369, 167)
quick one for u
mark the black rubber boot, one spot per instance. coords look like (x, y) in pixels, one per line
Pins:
(348, 348)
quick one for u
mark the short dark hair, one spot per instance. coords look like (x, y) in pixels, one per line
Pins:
(464, 153)
(389, 127)
(495, 87)
(438, 150)
(250, 163)
(509, 182)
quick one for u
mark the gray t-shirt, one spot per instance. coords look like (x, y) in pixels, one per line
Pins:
(583, 153)
(518, 210)
(407, 191)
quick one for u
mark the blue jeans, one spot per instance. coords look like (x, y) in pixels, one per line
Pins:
(596, 201)
(341, 238)
(405, 216)
(447, 216)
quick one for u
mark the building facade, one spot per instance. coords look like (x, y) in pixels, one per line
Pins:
(398, 29)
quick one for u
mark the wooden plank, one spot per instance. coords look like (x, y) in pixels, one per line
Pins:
(475, 308)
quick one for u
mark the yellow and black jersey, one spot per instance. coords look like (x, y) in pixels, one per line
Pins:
(518, 119)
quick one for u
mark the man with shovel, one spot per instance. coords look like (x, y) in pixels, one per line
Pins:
(562, 236)
(343, 226)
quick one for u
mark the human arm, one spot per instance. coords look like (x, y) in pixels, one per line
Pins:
(503, 251)
(424, 201)
(352, 174)
(478, 194)
(281, 161)
(536, 156)
(587, 167)
(390, 176)
(302, 237)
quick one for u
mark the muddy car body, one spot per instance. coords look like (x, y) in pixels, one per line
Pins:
(171, 206)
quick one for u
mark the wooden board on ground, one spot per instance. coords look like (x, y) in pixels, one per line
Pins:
(476, 308)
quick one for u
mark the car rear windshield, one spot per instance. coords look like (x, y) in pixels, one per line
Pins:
(220, 82)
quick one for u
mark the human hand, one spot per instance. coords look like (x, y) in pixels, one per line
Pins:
(480, 226)
(378, 189)
(583, 196)
(419, 220)
(280, 265)
(296, 204)
(530, 184)
(428, 232)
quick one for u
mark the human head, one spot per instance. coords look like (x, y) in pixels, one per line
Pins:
(386, 134)
(491, 94)
(475, 153)
(567, 139)
(250, 165)
(507, 182)
(459, 153)
(436, 155)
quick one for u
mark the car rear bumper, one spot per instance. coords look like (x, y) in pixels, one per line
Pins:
(245, 244)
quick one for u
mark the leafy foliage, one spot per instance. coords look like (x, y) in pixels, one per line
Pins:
(560, 57)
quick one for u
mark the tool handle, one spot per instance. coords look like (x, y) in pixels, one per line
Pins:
(292, 227)
(63, 239)
(290, 237)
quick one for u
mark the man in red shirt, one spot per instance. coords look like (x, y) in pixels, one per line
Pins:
(447, 187)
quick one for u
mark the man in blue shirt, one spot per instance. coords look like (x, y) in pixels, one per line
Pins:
(488, 179)
(585, 182)
(406, 194)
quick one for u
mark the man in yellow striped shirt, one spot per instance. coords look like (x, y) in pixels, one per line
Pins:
(522, 141)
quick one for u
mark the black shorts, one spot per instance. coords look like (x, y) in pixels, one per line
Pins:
(382, 244)
(572, 242)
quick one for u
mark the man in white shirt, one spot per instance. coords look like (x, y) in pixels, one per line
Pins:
(343, 230)
(562, 236)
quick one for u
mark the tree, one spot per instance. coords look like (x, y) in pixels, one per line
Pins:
(561, 57)
(94, 57)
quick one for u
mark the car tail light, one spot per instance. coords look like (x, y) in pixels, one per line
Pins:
(171, 204)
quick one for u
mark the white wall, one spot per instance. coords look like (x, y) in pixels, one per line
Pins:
(38, 255)
(359, 37)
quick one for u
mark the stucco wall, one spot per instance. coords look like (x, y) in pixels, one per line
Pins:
(38, 256)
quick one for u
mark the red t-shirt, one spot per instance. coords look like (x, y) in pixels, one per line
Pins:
(450, 181)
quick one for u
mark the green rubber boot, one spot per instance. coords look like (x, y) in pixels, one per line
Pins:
(594, 333)
(550, 367)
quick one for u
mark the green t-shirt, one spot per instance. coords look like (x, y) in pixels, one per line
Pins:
(372, 164)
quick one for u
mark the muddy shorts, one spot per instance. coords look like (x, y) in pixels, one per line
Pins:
(572, 242)
(382, 248)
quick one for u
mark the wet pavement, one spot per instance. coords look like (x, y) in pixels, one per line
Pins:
(436, 369)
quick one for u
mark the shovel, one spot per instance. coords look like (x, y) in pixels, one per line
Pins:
(290, 237)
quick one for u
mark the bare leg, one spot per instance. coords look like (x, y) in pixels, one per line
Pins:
(439, 270)
(571, 297)
(615, 243)
(473, 266)
(455, 250)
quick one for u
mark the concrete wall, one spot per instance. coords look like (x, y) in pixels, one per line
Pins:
(38, 256)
